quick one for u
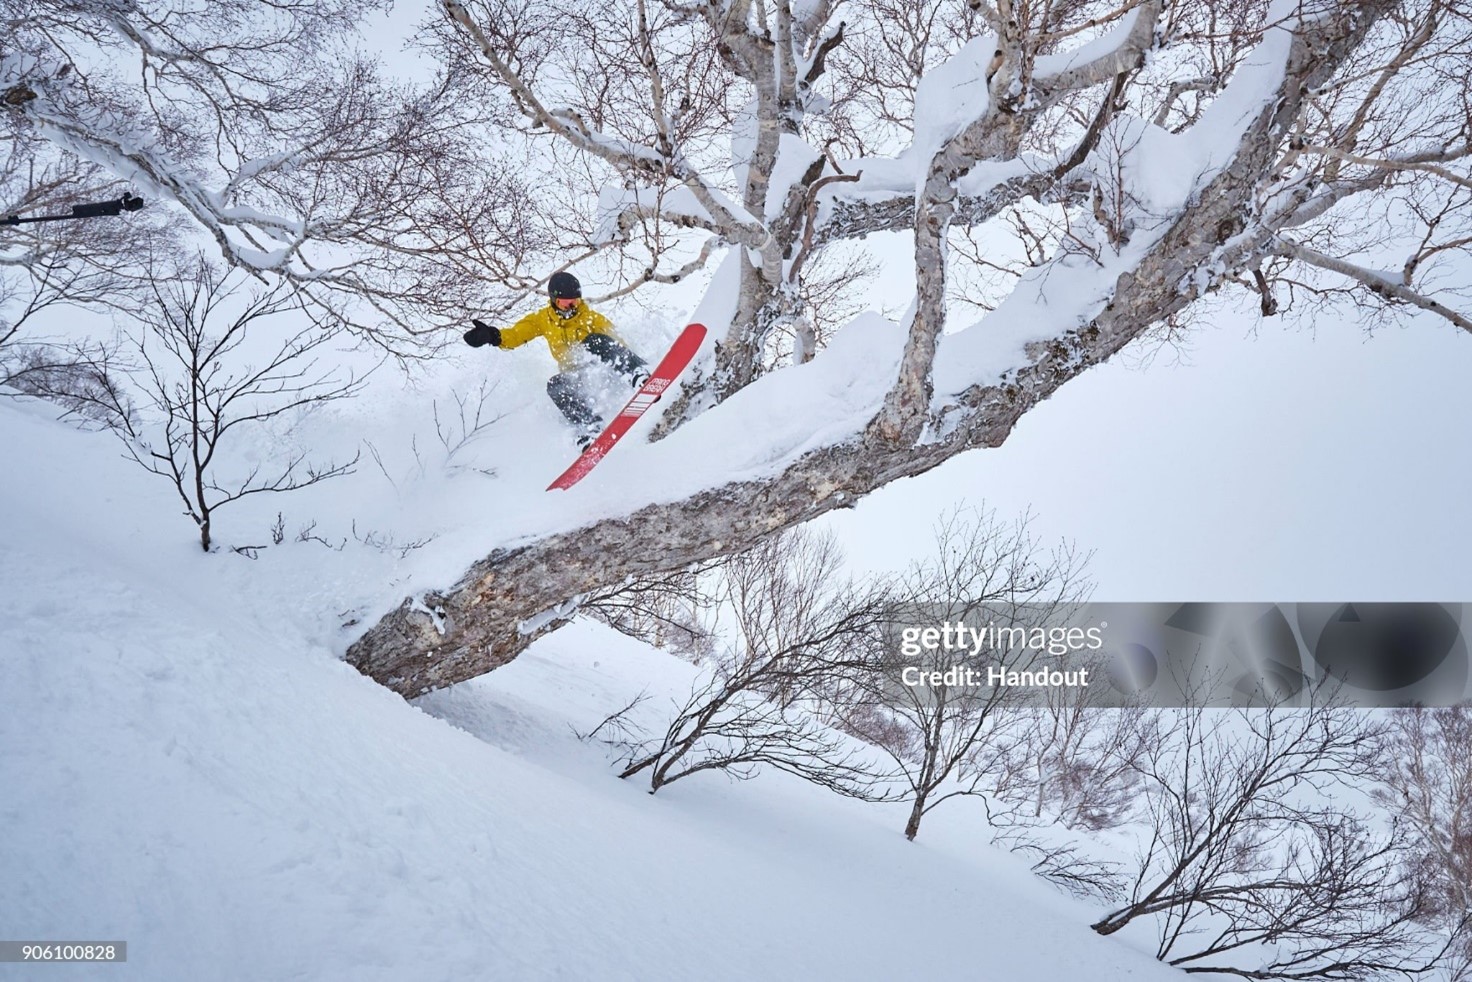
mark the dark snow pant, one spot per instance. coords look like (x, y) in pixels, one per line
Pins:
(568, 391)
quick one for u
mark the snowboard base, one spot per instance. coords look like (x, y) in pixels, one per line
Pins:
(663, 376)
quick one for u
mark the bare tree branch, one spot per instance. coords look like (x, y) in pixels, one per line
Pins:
(1381, 284)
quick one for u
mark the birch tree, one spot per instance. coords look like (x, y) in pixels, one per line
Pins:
(1133, 158)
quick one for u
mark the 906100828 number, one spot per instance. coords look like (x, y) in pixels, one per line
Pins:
(63, 951)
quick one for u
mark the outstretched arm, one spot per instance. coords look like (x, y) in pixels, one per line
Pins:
(514, 336)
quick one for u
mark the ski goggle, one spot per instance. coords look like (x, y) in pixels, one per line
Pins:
(567, 303)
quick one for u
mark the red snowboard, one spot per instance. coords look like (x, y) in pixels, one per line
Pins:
(660, 379)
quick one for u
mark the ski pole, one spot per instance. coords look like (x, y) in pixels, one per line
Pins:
(95, 209)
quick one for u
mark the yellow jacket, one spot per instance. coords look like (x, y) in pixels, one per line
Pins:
(562, 334)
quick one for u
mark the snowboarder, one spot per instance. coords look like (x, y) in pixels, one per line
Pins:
(583, 342)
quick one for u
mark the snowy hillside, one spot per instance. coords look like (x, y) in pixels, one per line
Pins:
(187, 766)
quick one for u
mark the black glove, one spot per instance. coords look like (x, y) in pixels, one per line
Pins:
(483, 333)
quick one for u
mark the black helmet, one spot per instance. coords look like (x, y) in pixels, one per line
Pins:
(564, 285)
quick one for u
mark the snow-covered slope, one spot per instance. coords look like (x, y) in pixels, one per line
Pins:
(186, 766)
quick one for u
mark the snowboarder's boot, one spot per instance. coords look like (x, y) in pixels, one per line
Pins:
(619, 358)
(590, 433)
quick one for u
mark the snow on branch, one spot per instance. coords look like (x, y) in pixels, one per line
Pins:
(134, 156)
(618, 208)
(977, 104)
(1102, 59)
(1201, 184)
(853, 211)
(991, 129)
